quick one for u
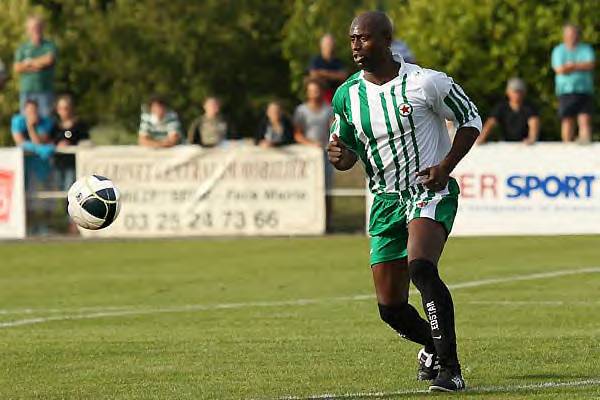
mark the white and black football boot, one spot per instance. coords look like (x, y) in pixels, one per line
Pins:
(428, 366)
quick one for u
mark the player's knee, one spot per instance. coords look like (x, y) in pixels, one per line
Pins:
(422, 271)
(387, 313)
(394, 315)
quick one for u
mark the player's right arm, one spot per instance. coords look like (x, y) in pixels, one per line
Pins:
(339, 155)
(342, 143)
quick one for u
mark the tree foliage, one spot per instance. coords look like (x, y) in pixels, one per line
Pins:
(480, 43)
(484, 43)
(114, 53)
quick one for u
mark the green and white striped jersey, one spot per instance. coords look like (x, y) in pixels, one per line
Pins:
(399, 128)
(159, 129)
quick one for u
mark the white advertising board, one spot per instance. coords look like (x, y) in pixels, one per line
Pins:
(514, 189)
(190, 191)
(12, 194)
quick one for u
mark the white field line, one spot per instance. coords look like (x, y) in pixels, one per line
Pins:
(118, 312)
(475, 389)
(62, 310)
(531, 302)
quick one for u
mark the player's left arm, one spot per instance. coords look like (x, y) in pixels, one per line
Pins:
(449, 101)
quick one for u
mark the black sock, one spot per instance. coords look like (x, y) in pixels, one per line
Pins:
(405, 320)
(439, 309)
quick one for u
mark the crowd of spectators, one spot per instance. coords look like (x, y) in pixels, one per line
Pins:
(45, 123)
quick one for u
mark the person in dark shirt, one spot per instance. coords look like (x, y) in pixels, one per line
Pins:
(327, 67)
(275, 129)
(68, 131)
(517, 118)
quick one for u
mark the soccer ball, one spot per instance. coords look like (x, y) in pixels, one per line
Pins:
(94, 202)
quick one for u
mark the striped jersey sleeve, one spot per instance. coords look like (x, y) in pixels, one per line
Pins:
(172, 123)
(340, 125)
(145, 124)
(160, 129)
(450, 101)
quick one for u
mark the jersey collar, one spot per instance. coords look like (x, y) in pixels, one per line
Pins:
(399, 59)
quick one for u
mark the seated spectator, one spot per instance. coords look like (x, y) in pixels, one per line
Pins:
(312, 118)
(68, 131)
(210, 129)
(32, 132)
(275, 129)
(327, 67)
(517, 118)
(160, 127)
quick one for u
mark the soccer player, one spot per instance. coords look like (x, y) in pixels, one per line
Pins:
(392, 116)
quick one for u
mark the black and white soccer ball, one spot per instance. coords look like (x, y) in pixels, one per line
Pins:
(94, 202)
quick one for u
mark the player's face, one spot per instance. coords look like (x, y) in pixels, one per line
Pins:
(365, 45)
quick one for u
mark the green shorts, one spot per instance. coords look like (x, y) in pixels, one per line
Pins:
(391, 213)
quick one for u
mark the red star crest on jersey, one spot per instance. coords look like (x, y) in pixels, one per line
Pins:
(405, 109)
(421, 204)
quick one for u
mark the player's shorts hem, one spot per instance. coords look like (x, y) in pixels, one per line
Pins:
(435, 220)
(390, 258)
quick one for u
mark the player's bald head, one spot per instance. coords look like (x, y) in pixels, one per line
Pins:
(374, 22)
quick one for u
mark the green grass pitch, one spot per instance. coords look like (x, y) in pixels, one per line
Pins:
(266, 318)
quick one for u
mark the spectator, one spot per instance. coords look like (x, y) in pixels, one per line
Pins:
(275, 129)
(68, 131)
(3, 76)
(327, 67)
(160, 127)
(34, 61)
(312, 118)
(210, 129)
(518, 119)
(400, 47)
(311, 127)
(573, 63)
(32, 132)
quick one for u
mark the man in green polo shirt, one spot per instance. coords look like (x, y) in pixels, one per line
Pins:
(573, 63)
(34, 62)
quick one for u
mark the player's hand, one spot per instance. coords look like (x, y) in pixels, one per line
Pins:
(434, 178)
(335, 149)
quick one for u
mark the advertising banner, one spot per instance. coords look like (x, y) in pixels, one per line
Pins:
(545, 189)
(12, 194)
(190, 191)
(514, 189)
